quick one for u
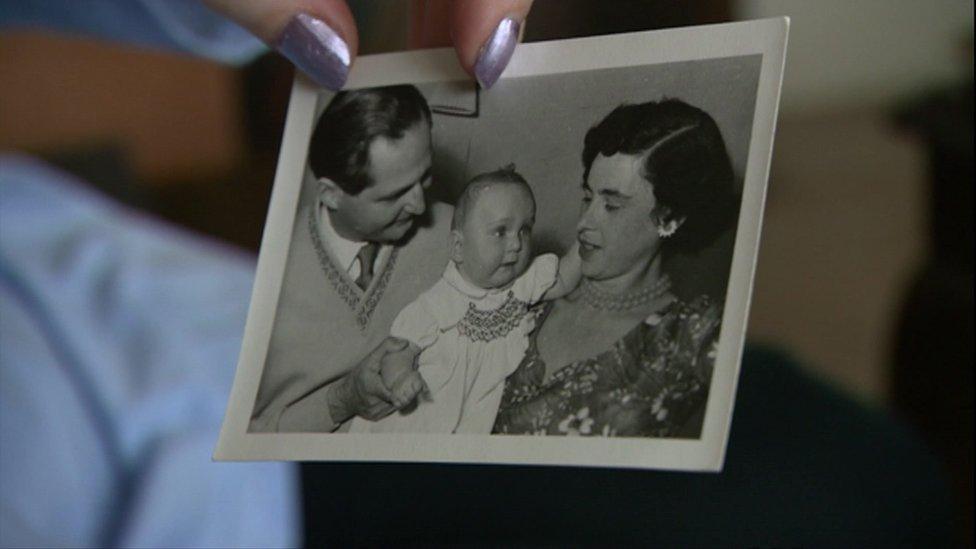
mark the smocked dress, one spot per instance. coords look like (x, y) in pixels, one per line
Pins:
(652, 382)
(471, 339)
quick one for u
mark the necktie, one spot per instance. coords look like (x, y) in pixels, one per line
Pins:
(366, 257)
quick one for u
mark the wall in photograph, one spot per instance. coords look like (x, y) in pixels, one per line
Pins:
(539, 123)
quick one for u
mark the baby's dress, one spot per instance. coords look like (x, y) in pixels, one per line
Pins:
(471, 339)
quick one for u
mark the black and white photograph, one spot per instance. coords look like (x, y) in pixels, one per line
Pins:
(554, 271)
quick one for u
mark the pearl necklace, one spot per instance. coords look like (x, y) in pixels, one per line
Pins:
(605, 301)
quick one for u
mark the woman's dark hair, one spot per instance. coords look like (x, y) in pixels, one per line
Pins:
(685, 161)
(339, 148)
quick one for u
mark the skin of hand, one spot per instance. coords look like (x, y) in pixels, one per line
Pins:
(320, 36)
(362, 392)
(399, 373)
(569, 274)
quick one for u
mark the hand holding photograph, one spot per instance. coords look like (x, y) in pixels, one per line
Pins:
(555, 271)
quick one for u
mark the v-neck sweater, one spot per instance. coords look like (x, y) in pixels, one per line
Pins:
(324, 324)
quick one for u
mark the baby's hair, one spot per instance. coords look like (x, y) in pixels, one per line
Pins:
(465, 203)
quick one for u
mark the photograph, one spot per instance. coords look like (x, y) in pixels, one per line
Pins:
(555, 271)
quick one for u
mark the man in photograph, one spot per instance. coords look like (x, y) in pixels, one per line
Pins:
(365, 244)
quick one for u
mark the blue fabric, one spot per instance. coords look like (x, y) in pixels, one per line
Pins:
(119, 338)
(182, 25)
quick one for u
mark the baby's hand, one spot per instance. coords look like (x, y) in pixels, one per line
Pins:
(400, 376)
(568, 275)
(408, 388)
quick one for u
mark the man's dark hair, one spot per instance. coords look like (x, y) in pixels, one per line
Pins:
(339, 148)
(685, 161)
(480, 182)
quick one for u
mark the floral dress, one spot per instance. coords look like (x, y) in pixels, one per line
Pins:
(653, 382)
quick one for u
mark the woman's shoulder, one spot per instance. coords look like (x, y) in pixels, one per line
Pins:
(700, 315)
(687, 327)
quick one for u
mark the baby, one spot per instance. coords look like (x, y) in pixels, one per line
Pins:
(471, 328)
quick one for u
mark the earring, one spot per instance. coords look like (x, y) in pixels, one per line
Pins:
(668, 229)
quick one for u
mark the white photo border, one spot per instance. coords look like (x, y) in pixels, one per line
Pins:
(766, 37)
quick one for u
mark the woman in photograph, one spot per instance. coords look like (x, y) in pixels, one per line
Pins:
(622, 355)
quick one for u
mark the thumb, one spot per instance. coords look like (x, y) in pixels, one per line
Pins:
(394, 344)
(485, 34)
(387, 346)
(318, 36)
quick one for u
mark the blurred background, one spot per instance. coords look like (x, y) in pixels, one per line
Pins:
(865, 271)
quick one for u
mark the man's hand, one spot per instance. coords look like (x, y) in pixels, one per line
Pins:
(400, 375)
(362, 391)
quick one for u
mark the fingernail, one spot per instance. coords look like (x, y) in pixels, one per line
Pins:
(496, 52)
(316, 49)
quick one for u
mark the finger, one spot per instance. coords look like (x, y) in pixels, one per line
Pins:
(318, 36)
(373, 360)
(406, 393)
(398, 403)
(417, 387)
(379, 412)
(375, 388)
(397, 395)
(485, 34)
(394, 344)
(402, 402)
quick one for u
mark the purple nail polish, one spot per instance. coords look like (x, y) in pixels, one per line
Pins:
(497, 51)
(316, 49)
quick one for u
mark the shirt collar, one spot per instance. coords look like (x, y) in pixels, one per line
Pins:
(343, 249)
(453, 277)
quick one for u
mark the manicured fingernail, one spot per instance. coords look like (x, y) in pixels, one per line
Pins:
(496, 52)
(316, 49)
